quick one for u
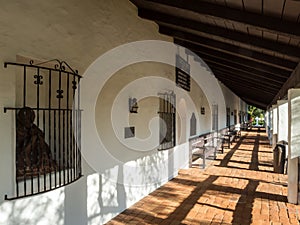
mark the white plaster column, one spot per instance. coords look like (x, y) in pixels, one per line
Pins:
(282, 122)
(275, 125)
(267, 119)
(267, 123)
(294, 143)
(271, 125)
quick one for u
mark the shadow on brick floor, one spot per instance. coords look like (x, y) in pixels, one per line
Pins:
(239, 187)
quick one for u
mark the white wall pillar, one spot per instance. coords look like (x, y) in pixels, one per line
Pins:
(267, 119)
(294, 143)
(270, 134)
(282, 122)
(267, 123)
(275, 125)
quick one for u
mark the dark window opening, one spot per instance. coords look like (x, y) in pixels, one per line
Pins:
(235, 116)
(227, 117)
(241, 117)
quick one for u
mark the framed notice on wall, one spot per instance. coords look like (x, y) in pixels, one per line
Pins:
(182, 73)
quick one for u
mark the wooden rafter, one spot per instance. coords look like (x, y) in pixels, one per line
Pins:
(253, 54)
(238, 74)
(240, 37)
(237, 59)
(244, 68)
(229, 75)
(248, 18)
(211, 43)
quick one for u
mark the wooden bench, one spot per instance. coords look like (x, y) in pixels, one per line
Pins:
(203, 147)
(228, 139)
(228, 136)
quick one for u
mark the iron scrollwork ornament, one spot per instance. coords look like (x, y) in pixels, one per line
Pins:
(74, 84)
(38, 79)
(59, 94)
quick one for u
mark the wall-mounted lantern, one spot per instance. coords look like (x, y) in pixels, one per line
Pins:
(202, 110)
(133, 107)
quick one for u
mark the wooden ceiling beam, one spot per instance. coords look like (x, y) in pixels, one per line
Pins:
(249, 90)
(247, 77)
(292, 82)
(210, 43)
(244, 73)
(211, 59)
(253, 82)
(219, 31)
(255, 103)
(251, 93)
(247, 74)
(256, 89)
(226, 13)
(226, 79)
(235, 59)
(242, 92)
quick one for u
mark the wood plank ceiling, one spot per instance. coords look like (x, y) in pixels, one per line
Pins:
(252, 46)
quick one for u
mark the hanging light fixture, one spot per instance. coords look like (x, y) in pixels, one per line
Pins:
(133, 106)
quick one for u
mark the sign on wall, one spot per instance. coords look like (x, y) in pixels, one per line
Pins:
(183, 78)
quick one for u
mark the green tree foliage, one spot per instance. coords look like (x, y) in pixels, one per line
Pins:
(254, 112)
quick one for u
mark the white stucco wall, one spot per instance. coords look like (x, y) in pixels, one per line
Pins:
(234, 103)
(80, 33)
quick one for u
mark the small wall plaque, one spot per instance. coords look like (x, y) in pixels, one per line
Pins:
(129, 132)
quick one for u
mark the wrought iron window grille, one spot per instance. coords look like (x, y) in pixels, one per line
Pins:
(167, 125)
(48, 127)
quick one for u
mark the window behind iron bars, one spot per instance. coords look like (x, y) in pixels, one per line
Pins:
(227, 117)
(215, 117)
(167, 115)
(48, 127)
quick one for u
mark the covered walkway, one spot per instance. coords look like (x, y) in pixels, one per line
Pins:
(238, 188)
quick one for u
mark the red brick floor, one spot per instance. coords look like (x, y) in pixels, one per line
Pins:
(239, 187)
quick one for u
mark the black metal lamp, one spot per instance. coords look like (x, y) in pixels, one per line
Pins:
(133, 106)
(202, 110)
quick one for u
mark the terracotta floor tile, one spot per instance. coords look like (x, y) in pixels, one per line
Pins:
(239, 187)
